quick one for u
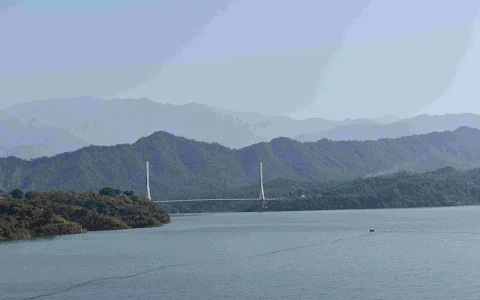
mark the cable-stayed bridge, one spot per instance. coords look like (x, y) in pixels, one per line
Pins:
(261, 197)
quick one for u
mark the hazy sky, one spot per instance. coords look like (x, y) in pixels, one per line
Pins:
(304, 58)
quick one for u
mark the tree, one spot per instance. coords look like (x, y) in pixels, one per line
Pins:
(17, 194)
(47, 216)
(128, 193)
(28, 195)
(108, 191)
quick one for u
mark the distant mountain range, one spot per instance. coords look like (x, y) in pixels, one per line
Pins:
(186, 168)
(49, 127)
(110, 122)
(28, 141)
(417, 125)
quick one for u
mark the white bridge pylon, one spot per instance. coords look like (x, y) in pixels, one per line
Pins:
(262, 192)
(148, 183)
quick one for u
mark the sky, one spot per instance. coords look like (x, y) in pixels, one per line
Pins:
(304, 58)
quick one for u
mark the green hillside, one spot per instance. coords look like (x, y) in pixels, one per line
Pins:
(56, 213)
(443, 187)
(182, 168)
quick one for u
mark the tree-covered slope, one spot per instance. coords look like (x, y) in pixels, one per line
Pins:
(54, 213)
(182, 168)
(442, 187)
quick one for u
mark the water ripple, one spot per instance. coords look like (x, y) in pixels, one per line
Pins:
(82, 284)
(103, 279)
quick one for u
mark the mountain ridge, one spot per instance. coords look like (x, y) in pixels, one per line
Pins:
(183, 167)
(94, 121)
(420, 124)
(114, 121)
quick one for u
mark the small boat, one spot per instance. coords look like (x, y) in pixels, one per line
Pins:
(372, 230)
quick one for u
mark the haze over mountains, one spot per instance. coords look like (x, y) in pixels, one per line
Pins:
(49, 127)
(417, 125)
(182, 168)
(110, 122)
(26, 140)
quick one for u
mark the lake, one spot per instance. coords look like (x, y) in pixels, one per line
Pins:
(430, 253)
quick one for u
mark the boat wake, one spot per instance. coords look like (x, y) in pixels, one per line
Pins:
(85, 283)
(103, 279)
(310, 246)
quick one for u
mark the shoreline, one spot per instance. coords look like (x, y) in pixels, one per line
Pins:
(60, 213)
(75, 233)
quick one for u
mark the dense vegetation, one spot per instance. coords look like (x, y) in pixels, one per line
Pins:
(36, 214)
(182, 168)
(443, 187)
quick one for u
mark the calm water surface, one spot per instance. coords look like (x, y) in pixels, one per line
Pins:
(415, 254)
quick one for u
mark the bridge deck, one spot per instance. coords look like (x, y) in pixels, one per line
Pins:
(243, 199)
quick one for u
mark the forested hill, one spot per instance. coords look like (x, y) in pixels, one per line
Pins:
(53, 213)
(443, 187)
(182, 168)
